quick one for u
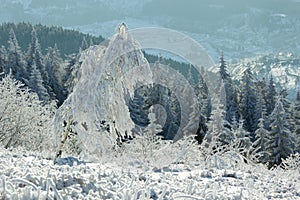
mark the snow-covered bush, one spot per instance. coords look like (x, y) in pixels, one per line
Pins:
(24, 120)
(292, 162)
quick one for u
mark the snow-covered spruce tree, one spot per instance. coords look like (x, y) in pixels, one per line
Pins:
(231, 95)
(73, 72)
(204, 107)
(288, 106)
(190, 77)
(262, 138)
(139, 103)
(15, 60)
(3, 58)
(261, 107)
(84, 44)
(193, 120)
(24, 120)
(36, 84)
(53, 65)
(281, 143)
(271, 96)
(296, 117)
(248, 102)
(175, 112)
(35, 57)
(218, 134)
(203, 95)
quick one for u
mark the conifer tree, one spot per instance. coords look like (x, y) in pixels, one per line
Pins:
(73, 72)
(218, 134)
(262, 138)
(203, 95)
(248, 102)
(36, 84)
(231, 95)
(34, 56)
(287, 105)
(84, 44)
(260, 109)
(271, 96)
(53, 63)
(15, 60)
(139, 105)
(296, 117)
(281, 143)
(3, 59)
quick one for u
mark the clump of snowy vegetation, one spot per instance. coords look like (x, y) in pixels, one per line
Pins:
(25, 121)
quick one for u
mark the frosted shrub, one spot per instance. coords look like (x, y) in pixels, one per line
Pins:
(292, 162)
(24, 120)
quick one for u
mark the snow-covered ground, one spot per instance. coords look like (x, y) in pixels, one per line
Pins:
(30, 176)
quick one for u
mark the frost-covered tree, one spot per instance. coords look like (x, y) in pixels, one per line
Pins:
(260, 109)
(203, 95)
(231, 95)
(139, 105)
(3, 58)
(204, 107)
(281, 143)
(15, 60)
(262, 138)
(248, 102)
(36, 84)
(218, 134)
(296, 117)
(271, 96)
(35, 57)
(84, 44)
(24, 120)
(288, 107)
(174, 112)
(53, 65)
(73, 72)
(192, 121)
(202, 128)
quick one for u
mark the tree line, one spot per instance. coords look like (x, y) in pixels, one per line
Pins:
(255, 117)
(48, 74)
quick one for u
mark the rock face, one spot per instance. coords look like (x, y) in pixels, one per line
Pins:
(99, 102)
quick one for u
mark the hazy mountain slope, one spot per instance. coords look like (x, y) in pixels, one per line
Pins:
(240, 28)
(284, 67)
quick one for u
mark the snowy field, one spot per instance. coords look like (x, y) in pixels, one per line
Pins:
(30, 176)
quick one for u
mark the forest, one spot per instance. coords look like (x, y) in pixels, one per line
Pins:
(257, 118)
(69, 127)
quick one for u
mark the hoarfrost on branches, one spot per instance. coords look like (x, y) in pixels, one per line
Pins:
(109, 76)
(24, 120)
